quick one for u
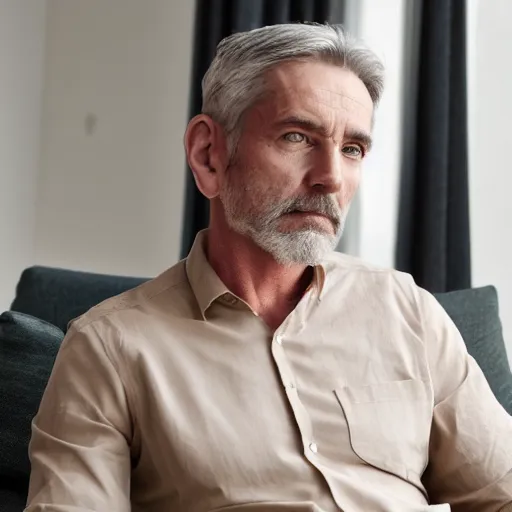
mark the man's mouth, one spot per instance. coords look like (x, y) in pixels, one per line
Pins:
(312, 213)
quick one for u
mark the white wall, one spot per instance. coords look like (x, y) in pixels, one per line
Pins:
(381, 26)
(22, 24)
(490, 114)
(115, 108)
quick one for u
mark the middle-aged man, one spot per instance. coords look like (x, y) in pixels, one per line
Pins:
(267, 373)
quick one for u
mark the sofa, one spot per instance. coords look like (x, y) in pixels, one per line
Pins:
(47, 299)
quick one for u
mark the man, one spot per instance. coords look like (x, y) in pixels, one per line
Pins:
(266, 372)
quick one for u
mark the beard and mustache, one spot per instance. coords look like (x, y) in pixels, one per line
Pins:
(252, 211)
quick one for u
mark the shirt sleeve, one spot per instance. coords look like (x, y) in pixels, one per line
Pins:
(80, 445)
(470, 453)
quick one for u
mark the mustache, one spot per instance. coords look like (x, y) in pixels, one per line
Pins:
(322, 204)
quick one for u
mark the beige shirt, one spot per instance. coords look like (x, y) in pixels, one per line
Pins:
(176, 397)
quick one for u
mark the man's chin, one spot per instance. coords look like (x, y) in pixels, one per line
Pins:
(299, 247)
(307, 231)
(290, 245)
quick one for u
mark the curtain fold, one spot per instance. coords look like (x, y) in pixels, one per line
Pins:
(433, 242)
(216, 19)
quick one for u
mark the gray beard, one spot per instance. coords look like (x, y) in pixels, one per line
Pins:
(304, 247)
(307, 246)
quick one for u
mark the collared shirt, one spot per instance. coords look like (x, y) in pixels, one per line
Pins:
(176, 397)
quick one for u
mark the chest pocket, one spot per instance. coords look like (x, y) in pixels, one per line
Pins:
(389, 425)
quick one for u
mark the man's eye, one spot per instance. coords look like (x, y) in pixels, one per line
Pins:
(294, 137)
(353, 151)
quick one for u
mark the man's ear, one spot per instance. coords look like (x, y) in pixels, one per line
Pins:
(206, 149)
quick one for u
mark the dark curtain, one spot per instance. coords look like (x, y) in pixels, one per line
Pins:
(433, 233)
(216, 19)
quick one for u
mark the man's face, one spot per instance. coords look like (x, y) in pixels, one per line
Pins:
(298, 161)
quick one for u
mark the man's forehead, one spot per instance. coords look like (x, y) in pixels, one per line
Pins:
(323, 90)
(332, 85)
(335, 99)
(319, 104)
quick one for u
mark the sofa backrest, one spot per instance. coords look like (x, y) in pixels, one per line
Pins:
(58, 296)
(475, 312)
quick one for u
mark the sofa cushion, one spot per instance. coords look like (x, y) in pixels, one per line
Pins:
(28, 347)
(475, 313)
(58, 295)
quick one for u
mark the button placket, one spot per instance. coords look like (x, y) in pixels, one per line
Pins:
(301, 415)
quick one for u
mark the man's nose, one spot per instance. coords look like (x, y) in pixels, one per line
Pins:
(326, 173)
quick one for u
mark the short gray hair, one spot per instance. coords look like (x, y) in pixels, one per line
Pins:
(235, 78)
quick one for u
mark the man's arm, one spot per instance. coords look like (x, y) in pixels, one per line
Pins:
(79, 450)
(470, 456)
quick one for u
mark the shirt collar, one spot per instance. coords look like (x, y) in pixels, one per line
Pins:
(318, 280)
(207, 285)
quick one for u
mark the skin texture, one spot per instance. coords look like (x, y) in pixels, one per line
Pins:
(306, 139)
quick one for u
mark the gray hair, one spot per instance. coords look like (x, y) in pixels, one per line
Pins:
(235, 79)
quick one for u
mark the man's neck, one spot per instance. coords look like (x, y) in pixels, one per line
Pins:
(271, 290)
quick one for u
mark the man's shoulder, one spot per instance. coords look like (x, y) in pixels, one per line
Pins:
(364, 274)
(341, 261)
(139, 300)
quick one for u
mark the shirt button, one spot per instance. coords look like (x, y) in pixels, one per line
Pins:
(313, 447)
(279, 339)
